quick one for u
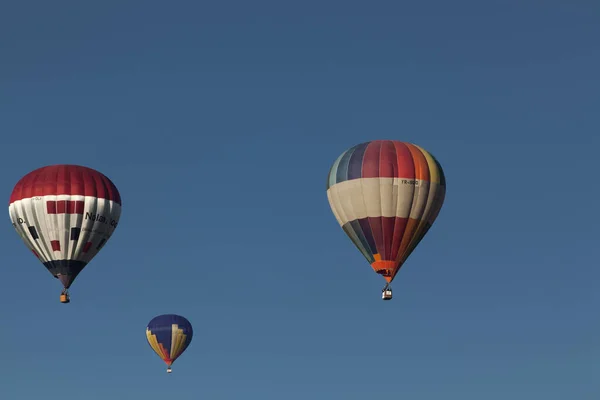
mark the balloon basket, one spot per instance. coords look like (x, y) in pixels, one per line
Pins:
(386, 294)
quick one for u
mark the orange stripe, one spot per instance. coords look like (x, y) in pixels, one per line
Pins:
(409, 233)
(421, 164)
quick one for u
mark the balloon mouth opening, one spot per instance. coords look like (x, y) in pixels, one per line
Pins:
(385, 268)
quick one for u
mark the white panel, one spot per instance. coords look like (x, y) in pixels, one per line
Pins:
(331, 202)
(345, 201)
(377, 197)
(334, 202)
(387, 205)
(371, 195)
(33, 212)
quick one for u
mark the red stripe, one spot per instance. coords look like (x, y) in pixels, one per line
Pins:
(55, 245)
(399, 229)
(388, 162)
(404, 161)
(65, 207)
(35, 253)
(86, 247)
(370, 167)
(388, 167)
(393, 159)
(65, 179)
(387, 230)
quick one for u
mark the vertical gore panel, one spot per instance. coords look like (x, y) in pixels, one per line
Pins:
(399, 229)
(388, 161)
(357, 229)
(441, 172)
(406, 166)
(331, 178)
(357, 239)
(387, 227)
(377, 232)
(388, 168)
(63, 181)
(342, 171)
(371, 160)
(368, 234)
(356, 162)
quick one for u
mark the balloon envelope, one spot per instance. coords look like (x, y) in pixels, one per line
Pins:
(65, 214)
(169, 335)
(385, 195)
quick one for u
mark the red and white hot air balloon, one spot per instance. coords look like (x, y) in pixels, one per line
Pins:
(65, 214)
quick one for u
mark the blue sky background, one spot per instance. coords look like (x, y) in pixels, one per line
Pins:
(218, 123)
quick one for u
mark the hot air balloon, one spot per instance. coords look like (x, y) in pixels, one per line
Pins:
(65, 214)
(169, 335)
(386, 194)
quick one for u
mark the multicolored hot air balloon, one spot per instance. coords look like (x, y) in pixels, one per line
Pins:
(386, 194)
(65, 214)
(169, 335)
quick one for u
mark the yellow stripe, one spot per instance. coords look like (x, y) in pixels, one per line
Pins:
(154, 344)
(434, 173)
(177, 341)
(181, 343)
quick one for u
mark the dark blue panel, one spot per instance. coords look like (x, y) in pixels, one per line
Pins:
(356, 161)
(357, 228)
(342, 170)
(442, 176)
(33, 232)
(75, 232)
(368, 234)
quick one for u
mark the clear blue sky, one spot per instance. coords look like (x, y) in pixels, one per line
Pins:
(219, 122)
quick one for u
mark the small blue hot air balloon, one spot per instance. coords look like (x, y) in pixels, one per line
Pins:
(169, 335)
